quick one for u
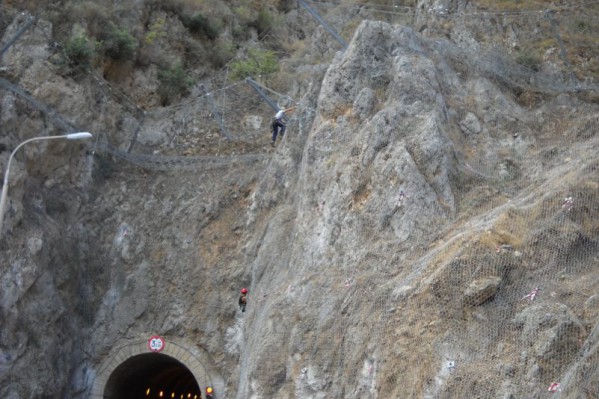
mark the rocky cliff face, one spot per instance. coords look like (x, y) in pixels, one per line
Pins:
(375, 292)
(392, 244)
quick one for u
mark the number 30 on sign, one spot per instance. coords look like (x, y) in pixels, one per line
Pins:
(156, 343)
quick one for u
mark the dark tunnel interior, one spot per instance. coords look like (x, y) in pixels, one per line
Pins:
(152, 376)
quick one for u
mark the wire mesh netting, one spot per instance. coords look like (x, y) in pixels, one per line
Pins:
(536, 326)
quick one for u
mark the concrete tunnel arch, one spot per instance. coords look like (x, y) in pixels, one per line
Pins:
(131, 362)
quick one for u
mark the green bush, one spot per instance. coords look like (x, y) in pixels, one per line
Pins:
(174, 82)
(156, 31)
(97, 16)
(264, 21)
(221, 54)
(120, 45)
(258, 62)
(529, 60)
(244, 16)
(201, 25)
(80, 51)
(243, 19)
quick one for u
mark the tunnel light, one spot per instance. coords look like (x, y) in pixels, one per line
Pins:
(173, 395)
(161, 394)
(148, 392)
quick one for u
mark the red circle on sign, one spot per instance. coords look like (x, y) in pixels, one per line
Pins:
(156, 343)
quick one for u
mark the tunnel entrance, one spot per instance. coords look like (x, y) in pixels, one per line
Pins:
(149, 376)
(178, 367)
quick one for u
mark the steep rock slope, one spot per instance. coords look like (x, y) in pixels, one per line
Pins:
(365, 292)
(355, 289)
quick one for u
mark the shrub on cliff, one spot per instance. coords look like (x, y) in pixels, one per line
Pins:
(174, 82)
(258, 62)
(120, 45)
(80, 51)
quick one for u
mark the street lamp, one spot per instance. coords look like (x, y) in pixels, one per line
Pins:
(70, 136)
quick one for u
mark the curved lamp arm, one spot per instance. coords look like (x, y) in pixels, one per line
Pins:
(71, 136)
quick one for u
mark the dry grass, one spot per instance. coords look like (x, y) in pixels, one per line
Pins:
(297, 48)
(337, 111)
(117, 72)
(473, 380)
(97, 18)
(529, 99)
(510, 228)
(350, 28)
(220, 236)
(585, 209)
(361, 194)
(410, 368)
(505, 5)
(158, 256)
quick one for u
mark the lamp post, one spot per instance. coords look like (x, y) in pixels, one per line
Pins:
(70, 136)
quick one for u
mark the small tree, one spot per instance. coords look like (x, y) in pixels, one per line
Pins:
(198, 23)
(174, 82)
(264, 22)
(529, 59)
(258, 62)
(156, 31)
(221, 54)
(120, 45)
(80, 51)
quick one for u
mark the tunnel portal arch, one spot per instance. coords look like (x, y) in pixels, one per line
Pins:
(130, 365)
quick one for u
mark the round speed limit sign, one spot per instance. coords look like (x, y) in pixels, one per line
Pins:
(156, 343)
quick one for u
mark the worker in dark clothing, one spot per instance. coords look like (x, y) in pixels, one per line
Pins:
(279, 124)
(243, 299)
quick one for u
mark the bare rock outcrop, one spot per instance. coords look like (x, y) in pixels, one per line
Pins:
(482, 290)
(360, 239)
(551, 335)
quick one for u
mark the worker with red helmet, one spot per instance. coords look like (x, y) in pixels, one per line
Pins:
(243, 299)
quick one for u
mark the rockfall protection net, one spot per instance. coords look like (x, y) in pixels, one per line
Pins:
(221, 110)
(502, 305)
